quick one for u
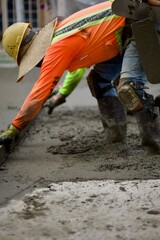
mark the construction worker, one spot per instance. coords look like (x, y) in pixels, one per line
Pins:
(89, 37)
(71, 80)
(131, 91)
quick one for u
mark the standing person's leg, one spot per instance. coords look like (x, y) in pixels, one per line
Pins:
(113, 113)
(132, 78)
(132, 94)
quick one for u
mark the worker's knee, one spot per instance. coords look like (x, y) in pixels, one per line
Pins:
(98, 85)
(133, 96)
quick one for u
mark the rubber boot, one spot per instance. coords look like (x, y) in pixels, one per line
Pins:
(149, 128)
(113, 116)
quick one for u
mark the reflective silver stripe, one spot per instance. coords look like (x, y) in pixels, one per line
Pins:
(84, 22)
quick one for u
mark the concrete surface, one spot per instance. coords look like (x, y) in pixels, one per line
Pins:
(63, 182)
(92, 210)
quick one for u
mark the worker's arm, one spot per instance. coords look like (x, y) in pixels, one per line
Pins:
(53, 66)
(71, 81)
(56, 61)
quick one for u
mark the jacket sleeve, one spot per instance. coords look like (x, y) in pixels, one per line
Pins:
(71, 81)
(56, 61)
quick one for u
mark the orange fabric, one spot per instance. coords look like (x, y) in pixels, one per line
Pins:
(83, 49)
(86, 12)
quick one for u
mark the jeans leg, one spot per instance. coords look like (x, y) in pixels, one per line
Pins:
(109, 70)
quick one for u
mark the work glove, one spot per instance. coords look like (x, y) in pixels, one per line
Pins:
(53, 101)
(9, 135)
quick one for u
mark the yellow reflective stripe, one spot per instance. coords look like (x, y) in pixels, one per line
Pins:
(86, 21)
(83, 17)
(71, 32)
(118, 38)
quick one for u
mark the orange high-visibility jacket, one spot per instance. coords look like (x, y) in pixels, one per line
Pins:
(85, 38)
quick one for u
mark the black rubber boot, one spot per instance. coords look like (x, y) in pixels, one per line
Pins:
(149, 128)
(113, 115)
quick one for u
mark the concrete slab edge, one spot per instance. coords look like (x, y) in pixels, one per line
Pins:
(3, 154)
(4, 151)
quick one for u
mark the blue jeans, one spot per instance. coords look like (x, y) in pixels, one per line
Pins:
(128, 66)
(131, 67)
(109, 70)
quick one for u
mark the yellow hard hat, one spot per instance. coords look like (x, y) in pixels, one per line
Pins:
(27, 47)
(13, 37)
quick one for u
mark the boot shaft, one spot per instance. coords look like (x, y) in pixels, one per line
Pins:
(149, 128)
(113, 116)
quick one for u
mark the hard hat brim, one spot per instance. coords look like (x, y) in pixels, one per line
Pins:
(37, 49)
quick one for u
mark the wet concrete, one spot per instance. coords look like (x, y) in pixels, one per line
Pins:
(93, 190)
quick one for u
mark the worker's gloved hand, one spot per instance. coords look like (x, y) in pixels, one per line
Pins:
(11, 133)
(55, 92)
(54, 101)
